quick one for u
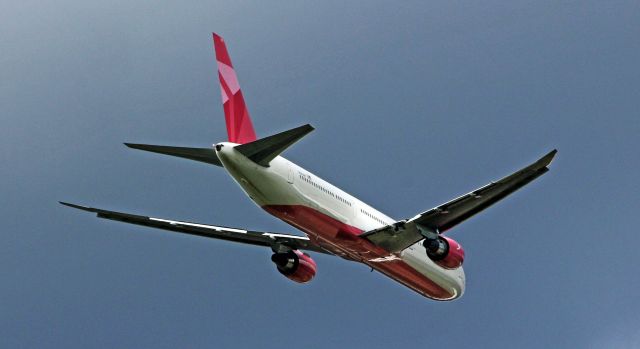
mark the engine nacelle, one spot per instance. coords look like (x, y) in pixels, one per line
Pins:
(446, 252)
(295, 265)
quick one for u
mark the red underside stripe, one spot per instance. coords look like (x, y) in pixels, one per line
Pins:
(341, 238)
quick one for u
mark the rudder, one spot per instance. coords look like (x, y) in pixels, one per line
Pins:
(239, 125)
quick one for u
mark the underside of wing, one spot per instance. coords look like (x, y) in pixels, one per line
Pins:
(403, 234)
(454, 212)
(257, 238)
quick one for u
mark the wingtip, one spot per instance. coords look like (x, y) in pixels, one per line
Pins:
(138, 146)
(547, 159)
(79, 207)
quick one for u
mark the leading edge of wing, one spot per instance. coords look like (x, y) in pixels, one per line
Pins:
(211, 231)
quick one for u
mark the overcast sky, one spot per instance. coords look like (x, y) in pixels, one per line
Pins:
(413, 105)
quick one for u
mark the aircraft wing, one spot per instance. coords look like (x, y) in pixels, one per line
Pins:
(210, 231)
(403, 234)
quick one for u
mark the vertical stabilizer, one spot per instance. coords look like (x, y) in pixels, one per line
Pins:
(239, 126)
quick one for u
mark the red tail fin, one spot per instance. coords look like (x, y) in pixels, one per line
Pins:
(239, 126)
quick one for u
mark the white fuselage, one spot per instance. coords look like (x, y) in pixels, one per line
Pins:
(285, 184)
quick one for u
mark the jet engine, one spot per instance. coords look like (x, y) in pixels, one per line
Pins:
(446, 252)
(295, 265)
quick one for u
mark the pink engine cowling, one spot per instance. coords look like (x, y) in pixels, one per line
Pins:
(455, 257)
(295, 265)
(445, 251)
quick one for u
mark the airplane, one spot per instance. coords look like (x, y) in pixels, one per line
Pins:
(414, 251)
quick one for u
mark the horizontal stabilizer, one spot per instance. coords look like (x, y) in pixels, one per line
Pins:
(207, 155)
(266, 149)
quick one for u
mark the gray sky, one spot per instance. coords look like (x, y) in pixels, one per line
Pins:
(413, 105)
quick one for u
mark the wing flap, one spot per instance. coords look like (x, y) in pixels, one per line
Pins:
(394, 238)
(211, 231)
